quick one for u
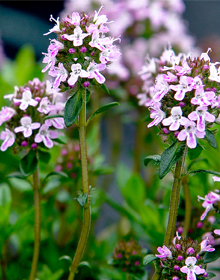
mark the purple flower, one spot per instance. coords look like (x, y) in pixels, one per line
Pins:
(182, 87)
(161, 88)
(77, 36)
(176, 119)
(201, 115)
(26, 126)
(46, 135)
(164, 252)
(26, 100)
(203, 98)
(189, 133)
(217, 231)
(93, 70)
(60, 73)
(191, 269)
(157, 114)
(9, 139)
(6, 113)
(209, 200)
(205, 247)
(45, 106)
(184, 69)
(77, 72)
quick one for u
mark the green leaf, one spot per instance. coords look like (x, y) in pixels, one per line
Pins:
(149, 258)
(104, 87)
(18, 175)
(67, 258)
(82, 199)
(5, 195)
(72, 108)
(85, 264)
(155, 158)
(194, 172)
(53, 173)
(210, 275)
(28, 163)
(169, 157)
(194, 153)
(212, 256)
(52, 117)
(44, 156)
(102, 109)
(209, 136)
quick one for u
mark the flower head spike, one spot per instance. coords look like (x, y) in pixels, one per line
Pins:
(191, 269)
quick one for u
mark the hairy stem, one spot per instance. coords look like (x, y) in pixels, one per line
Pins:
(188, 206)
(174, 200)
(37, 223)
(85, 188)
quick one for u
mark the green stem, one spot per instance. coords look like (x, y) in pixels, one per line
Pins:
(85, 188)
(37, 223)
(188, 206)
(174, 200)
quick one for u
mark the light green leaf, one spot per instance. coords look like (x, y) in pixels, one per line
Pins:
(72, 108)
(5, 195)
(82, 198)
(155, 158)
(149, 258)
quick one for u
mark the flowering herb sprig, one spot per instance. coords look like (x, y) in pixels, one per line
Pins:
(182, 94)
(81, 51)
(182, 259)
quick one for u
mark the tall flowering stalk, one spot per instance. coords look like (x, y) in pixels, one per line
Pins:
(27, 129)
(76, 59)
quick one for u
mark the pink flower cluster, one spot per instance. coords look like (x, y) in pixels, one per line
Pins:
(81, 51)
(183, 256)
(23, 119)
(181, 92)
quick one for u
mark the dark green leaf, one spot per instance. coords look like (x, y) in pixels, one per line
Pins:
(44, 156)
(104, 87)
(82, 199)
(155, 158)
(148, 259)
(194, 153)
(169, 157)
(209, 136)
(102, 109)
(194, 172)
(72, 108)
(84, 264)
(52, 117)
(28, 163)
(210, 275)
(67, 258)
(212, 256)
(18, 175)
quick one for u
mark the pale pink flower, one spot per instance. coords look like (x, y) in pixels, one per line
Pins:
(93, 70)
(26, 100)
(205, 247)
(27, 126)
(60, 73)
(216, 179)
(74, 20)
(164, 252)
(9, 139)
(217, 231)
(6, 113)
(56, 28)
(209, 200)
(77, 72)
(191, 269)
(77, 36)
(161, 88)
(157, 114)
(176, 119)
(182, 88)
(201, 115)
(202, 98)
(46, 135)
(44, 106)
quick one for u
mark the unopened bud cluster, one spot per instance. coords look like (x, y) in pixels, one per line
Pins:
(182, 94)
(127, 256)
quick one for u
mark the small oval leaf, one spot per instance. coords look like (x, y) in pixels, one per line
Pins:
(210, 137)
(194, 153)
(72, 108)
(149, 258)
(67, 258)
(155, 158)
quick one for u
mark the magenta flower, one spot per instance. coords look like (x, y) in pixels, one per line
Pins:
(164, 252)
(6, 113)
(77, 72)
(189, 133)
(26, 126)
(26, 100)
(9, 139)
(209, 200)
(205, 247)
(46, 135)
(202, 98)
(175, 120)
(182, 88)
(60, 73)
(191, 269)
(201, 115)
(77, 36)
(184, 69)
